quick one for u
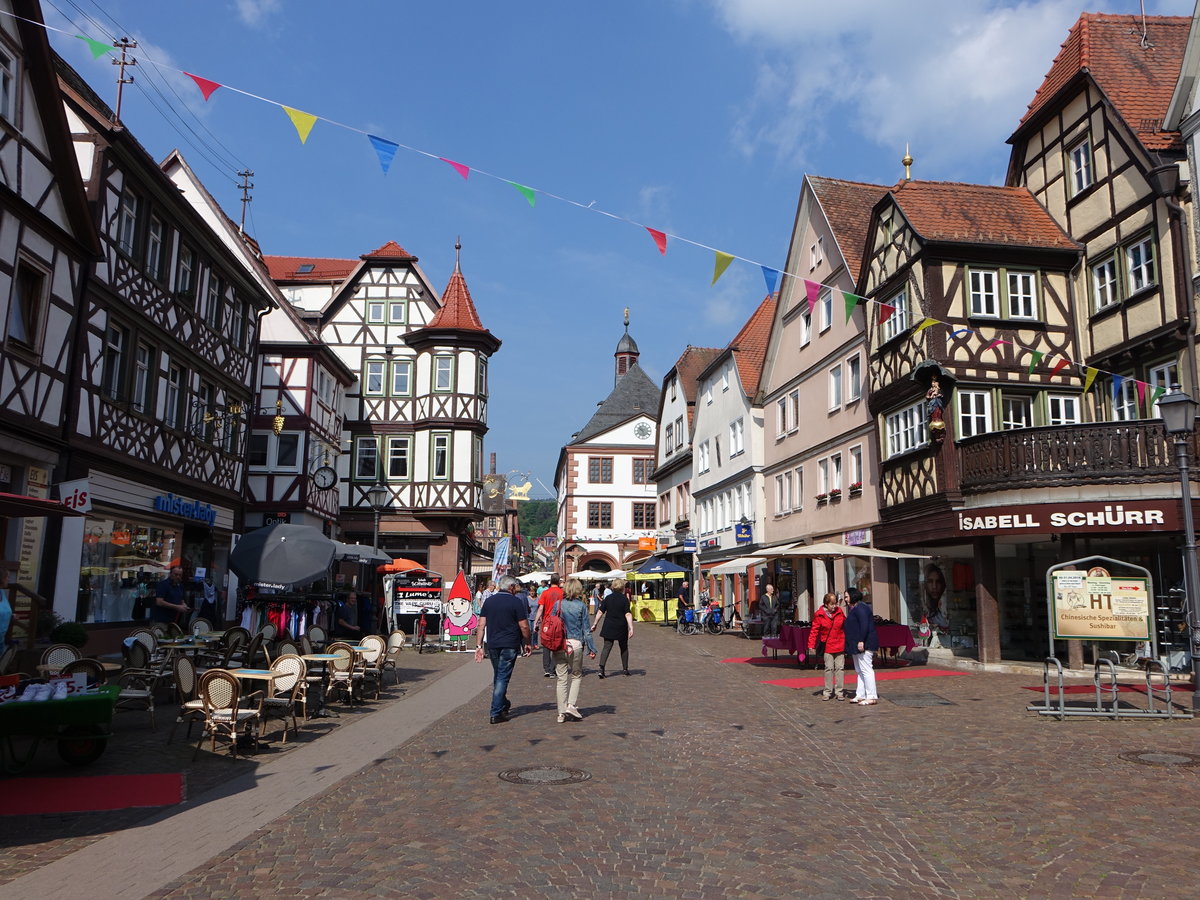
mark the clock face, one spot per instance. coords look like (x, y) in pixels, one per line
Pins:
(324, 478)
(642, 431)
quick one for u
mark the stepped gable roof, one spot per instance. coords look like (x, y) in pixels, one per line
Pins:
(297, 268)
(458, 311)
(390, 250)
(1138, 80)
(688, 367)
(847, 207)
(951, 212)
(635, 394)
(750, 344)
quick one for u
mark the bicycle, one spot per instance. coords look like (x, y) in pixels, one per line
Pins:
(422, 643)
(686, 623)
(714, 621)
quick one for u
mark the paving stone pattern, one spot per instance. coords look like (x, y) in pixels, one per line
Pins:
(706, 783)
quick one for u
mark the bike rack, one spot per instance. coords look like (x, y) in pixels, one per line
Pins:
(1109, 693)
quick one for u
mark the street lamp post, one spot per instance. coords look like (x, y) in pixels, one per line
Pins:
(1178, 412)
(377, 496)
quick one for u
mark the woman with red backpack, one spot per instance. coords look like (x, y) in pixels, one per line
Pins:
(828, 635)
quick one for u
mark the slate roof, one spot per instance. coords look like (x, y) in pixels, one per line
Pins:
(951, 212)
(287, 268)
(1138, 80)
(847, 208)
(635, 394)
(458, 310)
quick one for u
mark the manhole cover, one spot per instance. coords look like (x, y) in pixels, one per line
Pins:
(920, 700)
(795, 795)
(544, 775)
(1161, 758)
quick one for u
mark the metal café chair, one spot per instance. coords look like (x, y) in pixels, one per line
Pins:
(289, 692)
(224, 717)
(57, 656)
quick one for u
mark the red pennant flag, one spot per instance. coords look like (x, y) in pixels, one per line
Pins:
(660, 240)
(1058, 366)
(885, 312)
(462, 170)
(206, 87)
(812, 290)
(1141, 392)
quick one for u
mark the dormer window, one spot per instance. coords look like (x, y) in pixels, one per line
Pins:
(305, 269)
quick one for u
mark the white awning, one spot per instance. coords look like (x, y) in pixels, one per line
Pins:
(735, 566)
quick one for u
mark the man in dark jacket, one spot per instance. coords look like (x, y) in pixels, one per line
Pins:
(506, 621)
(861, 643)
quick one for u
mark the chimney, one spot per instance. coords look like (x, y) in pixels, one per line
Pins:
(492, 463)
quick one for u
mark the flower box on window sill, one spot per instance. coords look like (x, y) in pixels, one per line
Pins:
(821, 498)
(835, 495)
(856, 489)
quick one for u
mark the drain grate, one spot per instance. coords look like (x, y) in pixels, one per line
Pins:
(795, 795)
(543, 775)
(1160, 758)
(920, 700)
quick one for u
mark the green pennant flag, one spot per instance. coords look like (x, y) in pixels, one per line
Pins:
(1158, 392)
(528, 193)
(98, 48)
(720, 264)
(851, 301)
(1036, 357)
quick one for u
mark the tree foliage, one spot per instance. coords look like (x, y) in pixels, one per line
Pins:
(537, 518)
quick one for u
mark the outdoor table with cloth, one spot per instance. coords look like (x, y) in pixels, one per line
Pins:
(794, 639)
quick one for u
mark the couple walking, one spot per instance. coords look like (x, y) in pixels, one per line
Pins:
(847, 628)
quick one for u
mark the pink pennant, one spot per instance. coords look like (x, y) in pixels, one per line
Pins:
(660, 240)
(885, 312)
(996, 343)
(206, 87)
(462, 170)
(1058, 366)
(1141, 392)
(811, 290)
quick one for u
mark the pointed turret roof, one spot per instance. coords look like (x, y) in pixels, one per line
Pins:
(458, 311)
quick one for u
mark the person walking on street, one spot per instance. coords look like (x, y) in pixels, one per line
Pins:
(828, 632)
(568, 662)
(170, 599)
(522, 593)
(545, 603)
(768, 608)
(618, 624)
(861, 643)
(506, 620)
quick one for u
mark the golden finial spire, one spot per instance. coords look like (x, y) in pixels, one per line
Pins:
(627, 318)
(907, 163)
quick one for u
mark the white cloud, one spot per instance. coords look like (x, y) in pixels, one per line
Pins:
(255, 12)
(951, 77)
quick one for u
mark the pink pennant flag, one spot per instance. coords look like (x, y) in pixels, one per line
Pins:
(462, 170)
(996, 343)
(812, 290)
(206, 87)
(1058, 366)
(660, 240)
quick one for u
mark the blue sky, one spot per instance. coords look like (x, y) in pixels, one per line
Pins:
(696, 117)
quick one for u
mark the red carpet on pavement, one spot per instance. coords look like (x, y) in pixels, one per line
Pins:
(896, 675)
(762, 661)
(43, 796)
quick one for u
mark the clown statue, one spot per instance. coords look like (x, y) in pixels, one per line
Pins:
(460, 617)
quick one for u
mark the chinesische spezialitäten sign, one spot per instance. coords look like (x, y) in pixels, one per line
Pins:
(1096, 606)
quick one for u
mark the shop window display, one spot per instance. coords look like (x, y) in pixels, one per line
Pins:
(939, 603)
(120, 566)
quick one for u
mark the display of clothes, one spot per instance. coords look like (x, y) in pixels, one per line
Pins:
(289, 615)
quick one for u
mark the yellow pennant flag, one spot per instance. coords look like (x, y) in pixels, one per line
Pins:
(720, 265)
(925, 324)
(303, 121)
(1091, 376)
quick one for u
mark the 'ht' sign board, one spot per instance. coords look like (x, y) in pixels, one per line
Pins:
(1096, 606)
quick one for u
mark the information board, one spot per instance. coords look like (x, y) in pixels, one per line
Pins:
(415, 591)
(1097, 606)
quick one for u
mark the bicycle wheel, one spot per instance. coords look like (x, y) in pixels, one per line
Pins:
(714, 627)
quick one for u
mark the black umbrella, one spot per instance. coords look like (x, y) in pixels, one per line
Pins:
(282, 556)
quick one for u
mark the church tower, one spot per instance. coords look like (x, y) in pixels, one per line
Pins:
(627, 352)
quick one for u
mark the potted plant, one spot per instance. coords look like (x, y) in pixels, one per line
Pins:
(835, 494)
(71, 633)
(821, 498)
(856, 488)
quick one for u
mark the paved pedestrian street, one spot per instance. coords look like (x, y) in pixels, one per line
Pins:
(698, 780)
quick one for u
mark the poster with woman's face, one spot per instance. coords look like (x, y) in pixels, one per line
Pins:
(934, 596)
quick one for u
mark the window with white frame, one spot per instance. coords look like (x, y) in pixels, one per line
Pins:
(816, 253)
(143, 362)
(835, 388)
(722, 515)
(399, 457)
(1139, 264)
(904, 430)
(678, 432)
(856, 466)
(27, 305)
(1162, 376)
(213, 314)
(258, 447)
(708, 393)
(835, 472)
(398, 312)
(823, 475)
(717, 450)
(737, 511)
(702, 457)
(725, 378)
(825, 302)
(185, 276)
(669, 439)
(783, 494)
(1062, 409)
(439, 457)
(897, 322)
(974, 412)
(173, 396)
(156, 248)
(853, 378)
(985, 300)
(798, 488)
(8, 86)
(376, 311)
(443, 373)
(1022, 295)
(286, 451)
(116, 348)
(805, 328)
(1105, 291)
(366, 459)
(373, 374)
(1124, 401)
(402, 378)
(781, 417)
(1080, 157)
(737, 436)
(793, 410)
(1016, 411)
(127, 221)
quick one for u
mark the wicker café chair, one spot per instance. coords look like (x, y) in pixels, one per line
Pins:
(201, 626)
(317, 635)
(269, 631)
(246, 658)
(372, 661)
(306, 647)
(289, 692)
(191, 708)
(344, 677)
(138, 680)
(57, 656)
(174, 631)
(391, 658)
(92, 670)
(284, 647)
(224, 717)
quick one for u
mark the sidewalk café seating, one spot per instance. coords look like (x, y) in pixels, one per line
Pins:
(306, 647)
(319, 638)
(224, 658)
(372, 662)
(57, 656)
(191, 708)
(201, 626)
(158, 629)
(344, 676)
(269, 631)
(92, 669)
(174, 631)
(289, 691)
(149, 639)
(395, 644)
(285, 646)
(224, 717)
(138, 680)
(246, 658)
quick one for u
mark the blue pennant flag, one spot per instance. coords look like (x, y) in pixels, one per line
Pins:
(1118, 380)
(385, 149)
(772, 278)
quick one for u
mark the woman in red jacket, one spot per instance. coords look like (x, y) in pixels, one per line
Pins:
(828, 628)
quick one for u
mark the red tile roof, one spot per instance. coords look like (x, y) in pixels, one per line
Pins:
(847, 208)
(979, 214)
(1138, 80)
(390, 250)
(457, 309)
(751, 344)
(688, 367)
(287, 268)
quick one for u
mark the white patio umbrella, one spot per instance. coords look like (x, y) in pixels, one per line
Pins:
(587, 575)
(833, 550)
(534, 577)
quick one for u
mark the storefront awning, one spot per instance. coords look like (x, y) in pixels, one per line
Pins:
(735, 566)
(832, 550)
(18, 505)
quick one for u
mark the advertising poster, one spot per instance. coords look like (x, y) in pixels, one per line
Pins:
(1097, 606)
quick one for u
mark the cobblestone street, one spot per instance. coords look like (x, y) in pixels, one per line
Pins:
(704, 782)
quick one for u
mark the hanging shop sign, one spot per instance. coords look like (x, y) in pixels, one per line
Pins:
(1041, 518)
(1095, 605)
(743, 532)
(689, 545)
(280, 518)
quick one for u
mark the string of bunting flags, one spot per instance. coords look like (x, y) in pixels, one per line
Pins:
(386, 150)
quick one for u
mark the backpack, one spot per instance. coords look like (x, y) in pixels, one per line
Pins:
(553, 632)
